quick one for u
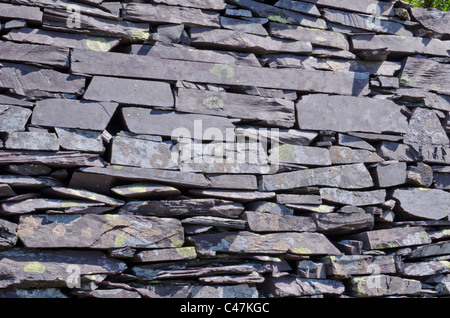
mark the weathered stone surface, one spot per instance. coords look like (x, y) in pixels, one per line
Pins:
(165, 254)
(435, 154)
(348, 265)
(142, 153)
(302, 155)
(38, 204)
(399, 45)
(32, 293)
(298, 199)
(356, 198)
(81, 140)
(349, 114)
(243, 196)
(440, 248)
(280, 15)
(27, 182)
(31, 141)
(73, 114)
(25, 79)
(50, 158)
(310, 269)
(354, 142)
(355, 176)
(399, 152)
(13, 118)
(389, 173)
(274, 243)
(187, 207)
(323, 208)
(346, 155)
(365, 22)
(421, 269)
(385, 286)
(235, 40)
(269, 222)
(160, 13)
(99, 231)
(47, 268)
(291, 286)
(288, 136)
(83, 195)
(6, 191)
(214, 221)
(298, 6)
(431, 204)
(175, 178)
(432, 19)
(8, 237)
(31, 53)
(270, 111)
(64, 40)
(132, 92)
(143, 67)
(393, 238)
(144, 190)
(420, 175)
(363, 6)
(343, 223)
(425, 128)
(12, 11)
(236, 181)
(243, 26)
(268, 207)
(442, 181)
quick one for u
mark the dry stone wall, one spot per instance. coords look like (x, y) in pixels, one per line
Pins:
(224, 149)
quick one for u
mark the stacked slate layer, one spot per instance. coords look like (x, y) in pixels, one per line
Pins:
(98, 199)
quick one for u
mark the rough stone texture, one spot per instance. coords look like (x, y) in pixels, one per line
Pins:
(386, 286)
(431, 204)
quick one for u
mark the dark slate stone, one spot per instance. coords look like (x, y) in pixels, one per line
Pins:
(128, 91)
(201, 4)
(50, 158)
(389, 174)
(442, 181)
(269, 222)
(8, 237)
(362, 6)
(12, 11)
(433, 19)
(345, 113)
(243, 196)
(73, 114)
(399, 152)
(243, 26)
(298, 6)
(336, 223)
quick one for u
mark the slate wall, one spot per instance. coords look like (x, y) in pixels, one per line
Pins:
(211, 148)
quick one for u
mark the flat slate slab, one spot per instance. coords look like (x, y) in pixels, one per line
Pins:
(338, 223)
(132, 92)
(31, 141)
(274, 243)
(13, 118)
(32, 15)
(432, 19)
(292, 286)
(302, 155)
(389, 174)
(346, 155)
(386, 286)
(425, 203)
(144, 190)
(80, 140)
(353, 176)
(99, 231)
(54, 159)
(362, 6)
(346, 113)
(201, 4)
(356, 198)
(269, 222)
(147, 67)
(348, 265)
(73, 114)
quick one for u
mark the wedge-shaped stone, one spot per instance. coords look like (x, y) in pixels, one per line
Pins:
(73, 114)
(346, 155)
(237, 181)
(165, 254)
(142, 153)
(201, 4)
(15, 181)
(400, 45)
(398, 152)
(393, 237)
(441, 248)
(132, 92)
(302, 155)
(346, 113)
(355, 176)
(243, 26)
(147, 67)
(269, 111)
(366, 22)
(281, 15)
(342, 223)
(61, 39)
(362, 6)
(298, 6)
(421, 269)
(176, 178)
(12, 11)
(269, 222)
(26, 78)
(432, 133)
(13, 118)
(160, 13)
(8, 237)
(432, 19)
(430, 204)
(214, 221)
(350, 265)
(291, 286)
(389, 174)
(316, 37)
(169, 124)
(187, 207)
(6, 191)
(241, 41)
(356, 198)
(83, 195)
(99, 231)
(31, 53)
(243, 196)
(273, 243)
(81, 140)
(269, 207)
(386, 286)
(354, 142)
(46, 268)
(31, 141)
(50, 158)
(144, 190)
(38, 204)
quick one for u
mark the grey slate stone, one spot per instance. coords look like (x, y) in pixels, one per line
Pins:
(31, 141)
(425, 128)
(269, 222)
(13, 118)
(302, 155)
(298, 6)
(420, 175)
(356, 198)
(291, 286)
(81, 140)
(346, 155)
(29, 14)
(415, 202)
(389, 174)
(388, 286)
(201, 4)
(243, 26)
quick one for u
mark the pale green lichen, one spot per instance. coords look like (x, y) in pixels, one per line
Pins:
(98, 44)
(213, 102)
(34, 267)
(277, 18)
(222, 71)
